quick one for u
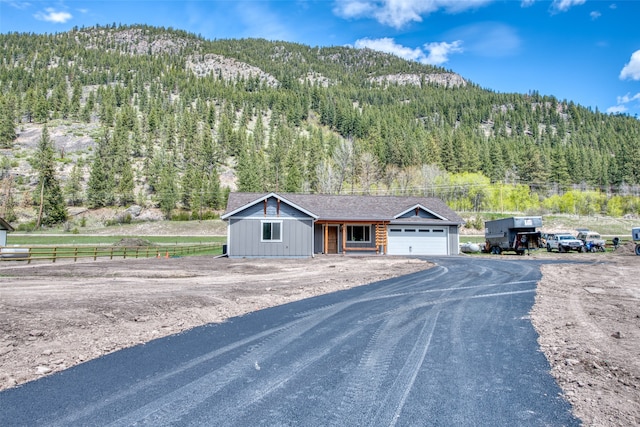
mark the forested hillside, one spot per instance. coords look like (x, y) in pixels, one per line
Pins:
(114, 116)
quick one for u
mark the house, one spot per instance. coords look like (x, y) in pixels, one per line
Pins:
(5, 228)
(301, 225)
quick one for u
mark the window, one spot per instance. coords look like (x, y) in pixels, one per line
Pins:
(272, 231)
(358, 233)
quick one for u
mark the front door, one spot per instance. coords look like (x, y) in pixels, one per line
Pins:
(332, 240)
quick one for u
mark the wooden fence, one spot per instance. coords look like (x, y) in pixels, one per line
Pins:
(53, 253)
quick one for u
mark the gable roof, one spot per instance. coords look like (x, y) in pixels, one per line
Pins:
(244, 200)
(329, 207)
(419, 206)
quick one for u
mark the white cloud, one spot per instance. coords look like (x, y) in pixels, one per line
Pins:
(17, 4)
(487, 39)
(564, 5)
(388, 45)
(616, 109)
(439, 51)
(435, 53)
(595, 15)
(627, 98)
(632, 69)
(397, 13)
(622, 102)
(354, 8)
(51, 15)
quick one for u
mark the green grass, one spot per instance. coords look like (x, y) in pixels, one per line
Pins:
(608, 227)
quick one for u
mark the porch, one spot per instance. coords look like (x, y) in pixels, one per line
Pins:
(342, 237)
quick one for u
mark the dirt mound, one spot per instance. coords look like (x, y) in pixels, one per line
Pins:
(628, 248)
(130, 241)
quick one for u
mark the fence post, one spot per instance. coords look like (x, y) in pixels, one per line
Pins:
(95, 253)
(54, 253)
(75, 254)
(29, 256)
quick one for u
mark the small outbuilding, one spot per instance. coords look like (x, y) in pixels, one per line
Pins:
(302, 225)
(5, 228)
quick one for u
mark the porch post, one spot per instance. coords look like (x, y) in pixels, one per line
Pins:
(344, 239)
(325, 243)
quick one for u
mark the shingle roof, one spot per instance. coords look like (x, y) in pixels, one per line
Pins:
(351, 207)
(4, 225)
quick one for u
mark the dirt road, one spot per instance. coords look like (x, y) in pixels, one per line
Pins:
(56, 316)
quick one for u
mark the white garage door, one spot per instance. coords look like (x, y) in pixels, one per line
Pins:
(406, 240)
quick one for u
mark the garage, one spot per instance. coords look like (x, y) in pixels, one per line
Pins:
(414, 240)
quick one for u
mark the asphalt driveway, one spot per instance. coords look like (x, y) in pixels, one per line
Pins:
(452, 345)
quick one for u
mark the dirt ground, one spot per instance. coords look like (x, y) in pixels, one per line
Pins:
(54, 316)
(588, 320)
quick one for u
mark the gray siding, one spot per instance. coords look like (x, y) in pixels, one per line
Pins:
(246, 236)
(318, 241)
(454, 240)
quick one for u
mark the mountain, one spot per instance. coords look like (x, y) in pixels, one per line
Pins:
(158, 116)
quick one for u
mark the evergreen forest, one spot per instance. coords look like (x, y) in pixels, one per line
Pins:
(161, 117)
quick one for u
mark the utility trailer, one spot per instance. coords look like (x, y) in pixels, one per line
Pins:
(517, 234)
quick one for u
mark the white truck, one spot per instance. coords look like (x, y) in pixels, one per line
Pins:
(564, 243)
(592, 241)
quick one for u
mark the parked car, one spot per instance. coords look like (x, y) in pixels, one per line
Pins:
(591, 240)
(564, 243)
(544, 237)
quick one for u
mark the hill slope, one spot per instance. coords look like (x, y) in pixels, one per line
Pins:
(157, 116)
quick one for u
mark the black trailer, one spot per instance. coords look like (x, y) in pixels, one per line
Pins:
(517, 234)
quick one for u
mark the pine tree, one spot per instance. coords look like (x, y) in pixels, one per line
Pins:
(293, 183)
(213, 195)
(9, 203)
(167, 189)
(51, 206)
(100, 184)
(7, 123)
(73, 189)
(126, 185)
(250, 176)
(559, 171)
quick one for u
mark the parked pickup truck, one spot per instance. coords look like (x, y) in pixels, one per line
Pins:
(564, 243)
(592, 241)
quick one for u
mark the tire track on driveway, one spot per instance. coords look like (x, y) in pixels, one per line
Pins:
(452, 345)
(396, 398)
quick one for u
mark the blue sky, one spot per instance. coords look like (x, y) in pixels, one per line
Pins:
(585, 51)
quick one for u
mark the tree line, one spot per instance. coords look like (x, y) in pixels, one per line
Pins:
(163, 133)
